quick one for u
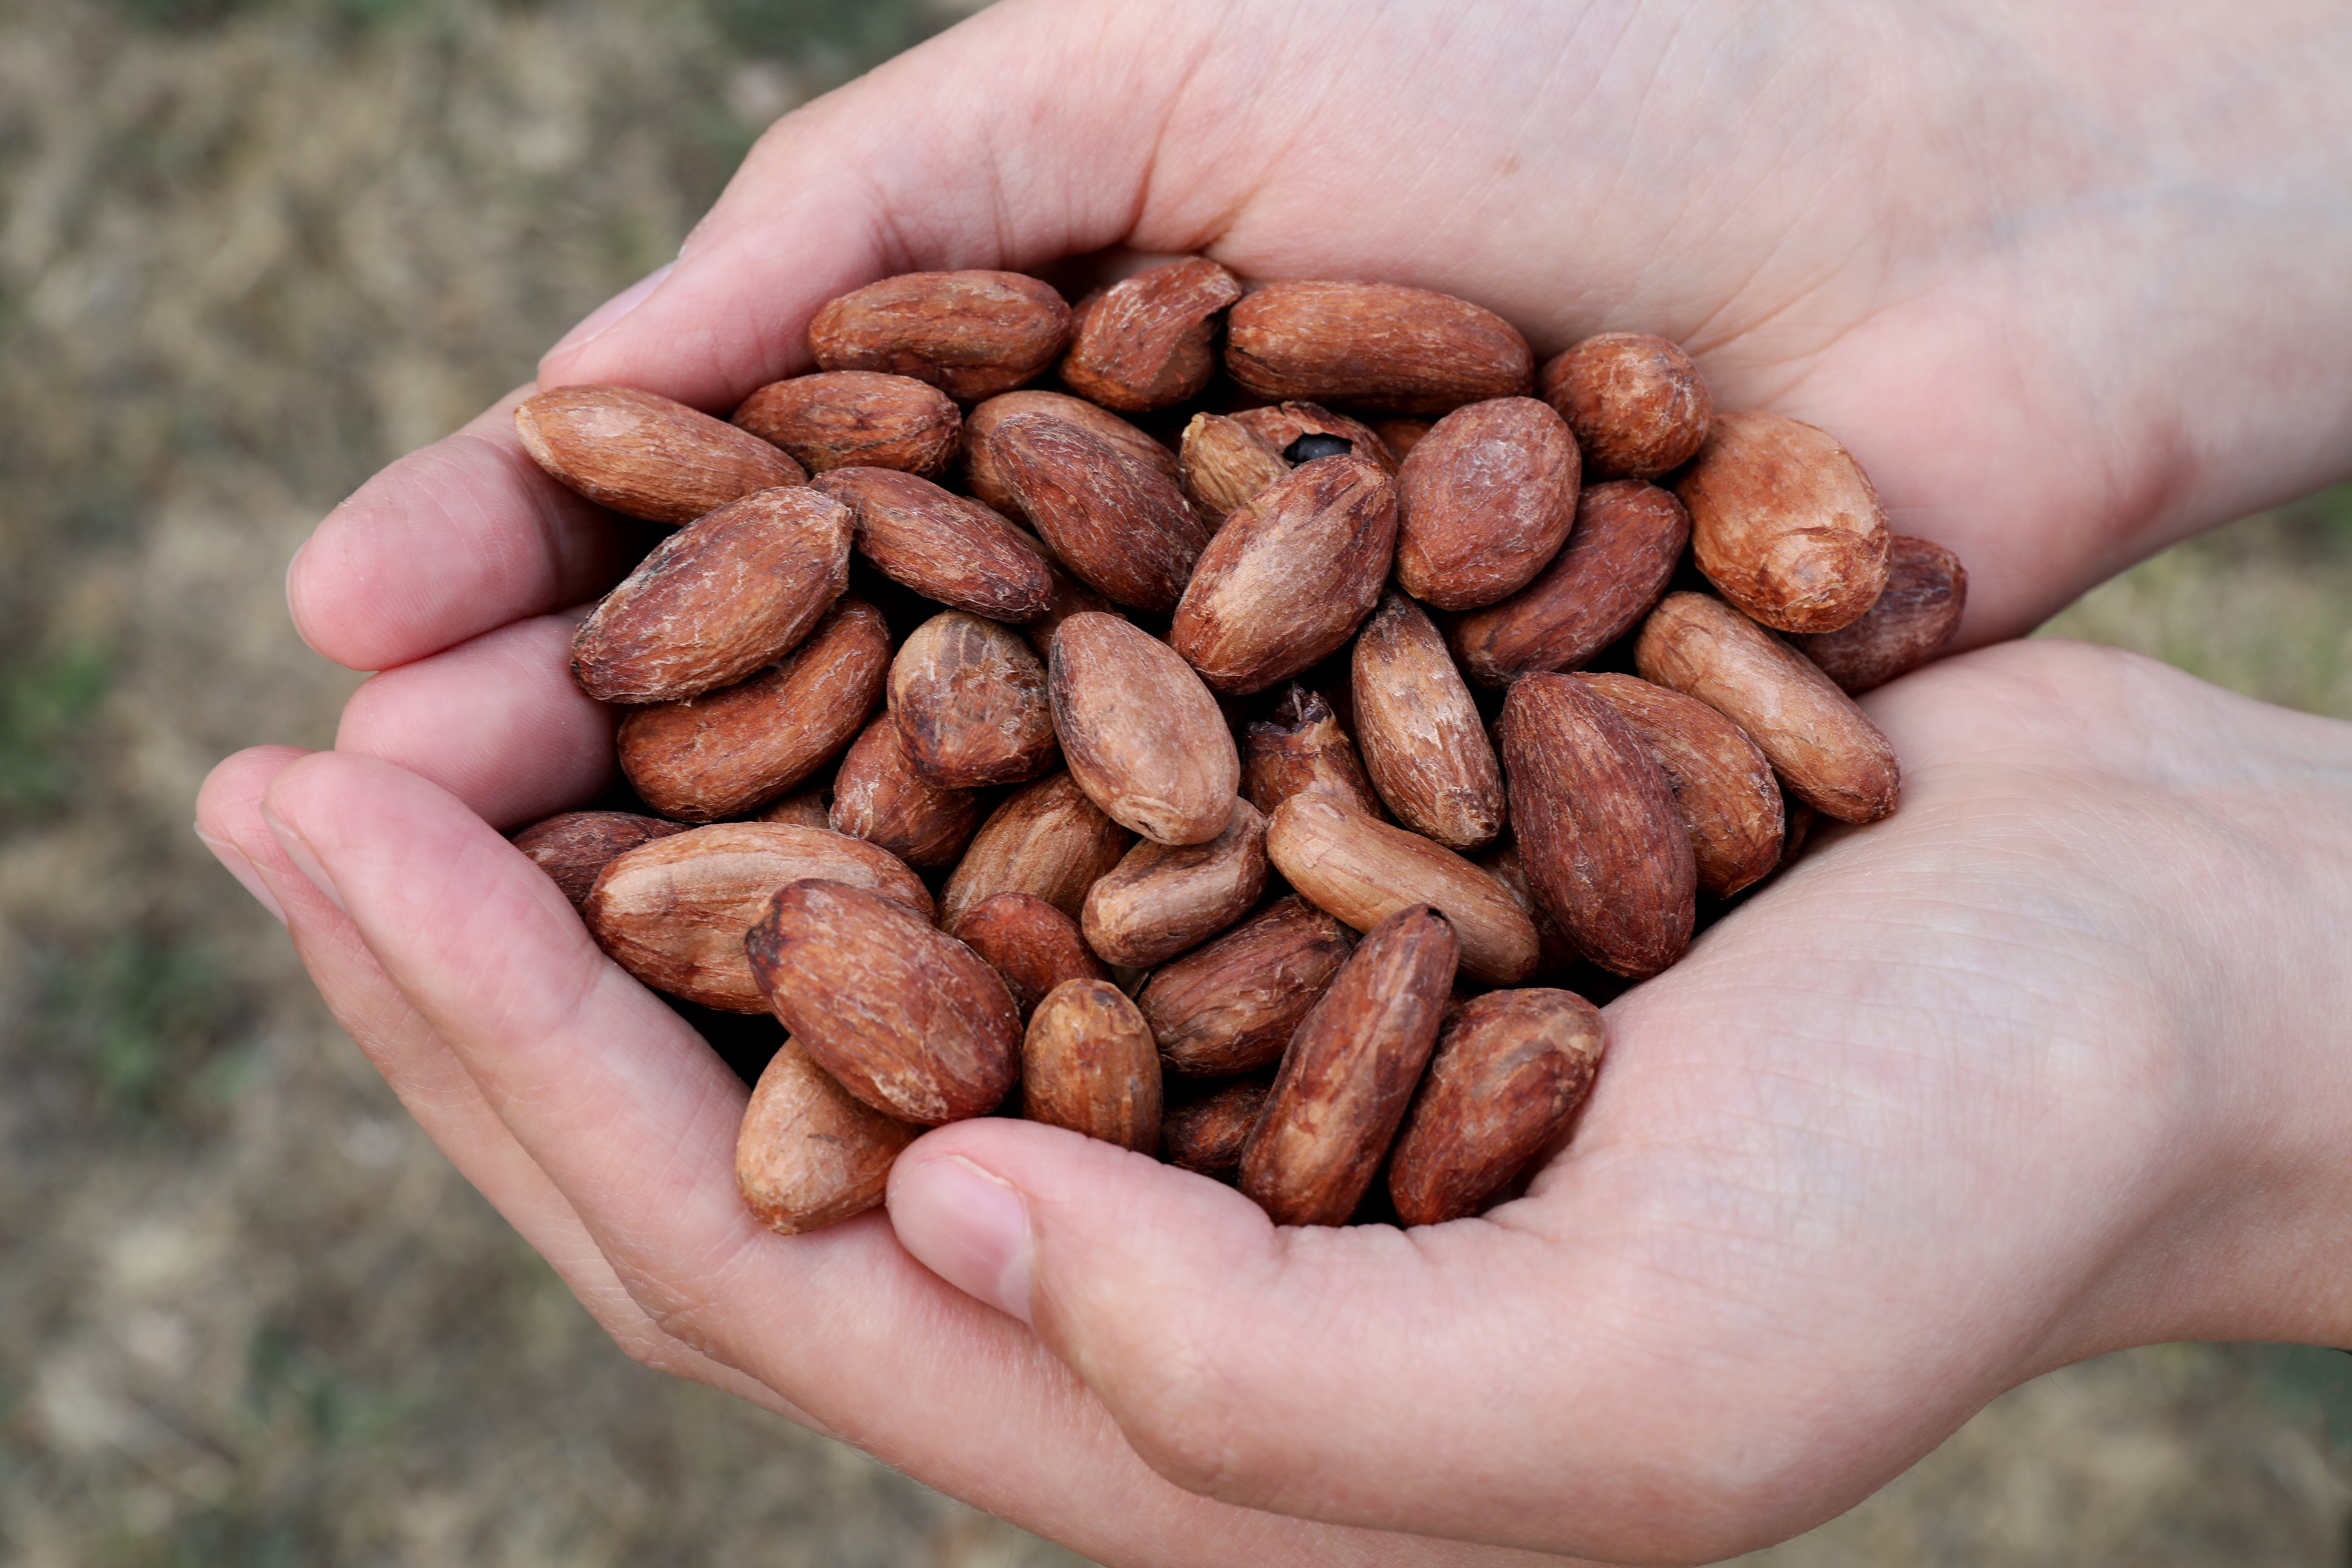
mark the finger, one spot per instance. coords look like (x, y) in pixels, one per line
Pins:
(451, 541)
(634, 1121)
(444, 903)
(497, 722)
(985, 150)
(429, 1080)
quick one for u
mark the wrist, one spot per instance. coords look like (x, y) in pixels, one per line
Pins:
(2100, 306)
(2184, 210)
(2248, 1234)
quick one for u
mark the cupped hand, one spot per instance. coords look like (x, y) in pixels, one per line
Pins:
(2035, 1068)
(2025, 1072)
(2048, 1064)
(2059, 276)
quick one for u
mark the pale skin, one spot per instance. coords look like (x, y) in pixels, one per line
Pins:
(2050, 1063)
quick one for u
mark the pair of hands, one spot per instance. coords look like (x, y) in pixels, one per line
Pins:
(2048, 1064)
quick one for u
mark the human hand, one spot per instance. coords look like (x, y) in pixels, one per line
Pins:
(2059, 274)
(2047, 1065)
(2011, 383)
(2039, 1068)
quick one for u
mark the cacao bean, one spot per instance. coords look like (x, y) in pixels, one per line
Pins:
(1286, 581)
(1616, 564)
(856, 418)
(728, 592)
(572, 846)
(904, 1017)
(1164, 898)
(1031, 943)
(1230, 1006)
(1637, 404)
(641, 454)
(1914, 617)
(969, 699)
(1785, 524)
(1145, 341)
(1511, 1067)
(1088, 1063)
(1047, 838)
(809, 1154)
(1603, 846)
(1118, 524)
(1350, 1073)
(880, 796)
(973, 335)
(988, 486)
(1410, 351)
(1139, 733)
(1824, 748)
(1222, 466)
(1206, 1135)
(944, 546)
(1423, 742)
(1724, 787)
(1302, 748)
(728, 751)
(1484, 502)
(674, 910)
(1363, 871)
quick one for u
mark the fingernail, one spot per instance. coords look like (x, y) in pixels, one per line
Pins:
(298, 849)
(237, 866)
(607, 316)
(967, 1227)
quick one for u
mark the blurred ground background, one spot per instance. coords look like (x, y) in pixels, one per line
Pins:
(251, 249)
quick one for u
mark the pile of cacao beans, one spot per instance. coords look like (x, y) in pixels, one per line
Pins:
(1279, 725)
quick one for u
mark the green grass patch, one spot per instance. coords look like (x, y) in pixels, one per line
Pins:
(866, 31)
(2309, 1380)
(144, 1018)
(46, 707)
(286, 1379)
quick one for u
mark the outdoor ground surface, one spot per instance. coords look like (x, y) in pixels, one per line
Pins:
(249, 251)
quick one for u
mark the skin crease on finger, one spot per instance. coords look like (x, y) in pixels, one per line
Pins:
(1676, 1347)
(1937, 231)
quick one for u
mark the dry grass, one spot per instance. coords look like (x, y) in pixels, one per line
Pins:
(248, 251)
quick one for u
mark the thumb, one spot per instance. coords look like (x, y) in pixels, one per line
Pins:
(1478, 1380)
(1024, 135)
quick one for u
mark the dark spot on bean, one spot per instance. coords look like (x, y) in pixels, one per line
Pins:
(1309, 447)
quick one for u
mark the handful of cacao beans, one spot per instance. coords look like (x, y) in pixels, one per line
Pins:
(1296, 714)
